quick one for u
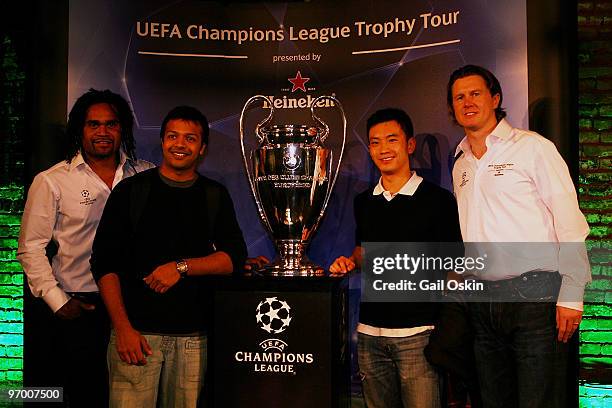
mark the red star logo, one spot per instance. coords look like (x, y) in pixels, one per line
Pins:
(298, 82)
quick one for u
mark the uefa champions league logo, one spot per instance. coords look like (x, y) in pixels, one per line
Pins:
(86, 198)
(291, 160)
(273, 315)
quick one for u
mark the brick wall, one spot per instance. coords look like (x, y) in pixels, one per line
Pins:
(12, 91)
(595, 191)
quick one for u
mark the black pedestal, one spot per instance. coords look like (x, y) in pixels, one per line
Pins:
(280, 342)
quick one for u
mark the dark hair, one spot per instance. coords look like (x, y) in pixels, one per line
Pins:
(389, 114)
(187, 113)
(76, 121)
(490, 79)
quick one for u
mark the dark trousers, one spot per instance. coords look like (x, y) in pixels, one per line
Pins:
(519, 361)
(67, 353)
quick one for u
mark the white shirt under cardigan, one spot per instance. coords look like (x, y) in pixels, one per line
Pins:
(407, 189)
(64, 205)
(520, 191)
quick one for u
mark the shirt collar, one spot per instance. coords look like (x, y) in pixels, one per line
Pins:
(76, 161)
(407, 189)
(123, 158)
(79, 160)
(463, 146)
(502, 131)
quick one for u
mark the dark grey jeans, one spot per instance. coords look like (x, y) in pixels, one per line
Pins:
(396, 374)
(519, 361)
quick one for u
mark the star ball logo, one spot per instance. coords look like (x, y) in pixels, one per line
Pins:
(291, 160)
(273, 315)
(87, 200)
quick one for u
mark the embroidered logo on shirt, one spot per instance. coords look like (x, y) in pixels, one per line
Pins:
(87, 201)
(464, 179)
(499, 169)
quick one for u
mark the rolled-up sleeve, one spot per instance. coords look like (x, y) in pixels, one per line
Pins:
(227, 235)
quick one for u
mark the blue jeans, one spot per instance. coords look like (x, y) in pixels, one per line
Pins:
(395, 373)
(519, 361)
(172, 377)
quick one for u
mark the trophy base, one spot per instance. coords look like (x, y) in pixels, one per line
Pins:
(291, 261)
(278, 268)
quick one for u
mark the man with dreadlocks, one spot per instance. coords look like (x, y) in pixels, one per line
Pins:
(63, 207)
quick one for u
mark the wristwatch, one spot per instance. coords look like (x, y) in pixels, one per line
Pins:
(182, 268)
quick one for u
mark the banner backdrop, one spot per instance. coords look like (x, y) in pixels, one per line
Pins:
(369, 54)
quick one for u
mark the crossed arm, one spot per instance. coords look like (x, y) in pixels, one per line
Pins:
(132, 346)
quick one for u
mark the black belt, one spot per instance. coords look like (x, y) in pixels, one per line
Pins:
(529, 286)
(527, 277)
(88, 297)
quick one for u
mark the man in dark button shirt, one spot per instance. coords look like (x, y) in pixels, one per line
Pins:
(401, 208)
(159, 235)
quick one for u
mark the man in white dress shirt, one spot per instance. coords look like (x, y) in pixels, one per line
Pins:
(512, 186)
(63, 207)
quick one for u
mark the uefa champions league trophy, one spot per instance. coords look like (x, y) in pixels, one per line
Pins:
(290, 177)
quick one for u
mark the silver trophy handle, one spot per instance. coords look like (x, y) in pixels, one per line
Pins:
(323, 137)
(260, 138)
